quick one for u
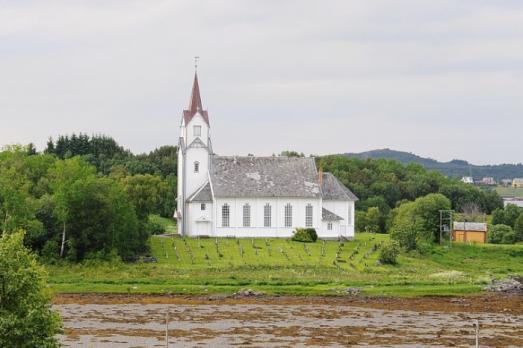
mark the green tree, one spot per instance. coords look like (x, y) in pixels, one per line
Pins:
(26, 316)
(102, 219)
(422, 216)
(64, 176)
(518, 228)
(501, 234)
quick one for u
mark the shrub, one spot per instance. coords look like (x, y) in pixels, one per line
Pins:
(305, 235)
(155, 228)
(389, 253)
(406, 236)
(501, 234)
(26, 316)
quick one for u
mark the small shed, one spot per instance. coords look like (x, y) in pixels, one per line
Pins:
(473, 232)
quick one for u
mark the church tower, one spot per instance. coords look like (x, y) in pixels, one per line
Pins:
(193, 153)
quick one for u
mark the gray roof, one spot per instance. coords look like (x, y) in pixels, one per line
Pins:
(470, 226)
(203, 194)
(333, 189)
(264, 177)
(328, 215)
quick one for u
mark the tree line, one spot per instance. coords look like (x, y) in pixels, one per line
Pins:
(87, 196)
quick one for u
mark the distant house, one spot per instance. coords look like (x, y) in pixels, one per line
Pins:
(472, 232)
(467, 180)
(517, 183)
(488, 181)
(506, 182)
(513, 200)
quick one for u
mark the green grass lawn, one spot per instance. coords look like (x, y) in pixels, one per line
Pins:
(510, 191)
(279, 266)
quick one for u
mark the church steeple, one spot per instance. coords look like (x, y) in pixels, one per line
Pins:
(195, 103)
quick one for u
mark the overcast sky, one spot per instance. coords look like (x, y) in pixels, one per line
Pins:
(439, 78)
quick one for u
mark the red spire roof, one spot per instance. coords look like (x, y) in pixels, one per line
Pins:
(195, 104)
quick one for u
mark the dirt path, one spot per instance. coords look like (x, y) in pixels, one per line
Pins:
(139, 321)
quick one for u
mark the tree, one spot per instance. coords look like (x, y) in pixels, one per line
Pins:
(102, 220)
(518, 228)
(26, 316)
(63, 178)
(501, 234)
(422, 216)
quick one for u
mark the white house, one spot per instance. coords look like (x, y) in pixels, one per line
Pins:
(253, 196)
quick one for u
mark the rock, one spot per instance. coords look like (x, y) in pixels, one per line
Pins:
(249, 293)
(513, 284)
(353, 291)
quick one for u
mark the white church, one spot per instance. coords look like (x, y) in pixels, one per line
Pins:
(248, 196)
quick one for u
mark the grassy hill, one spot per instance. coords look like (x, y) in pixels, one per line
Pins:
(454, 168)
(279, 266)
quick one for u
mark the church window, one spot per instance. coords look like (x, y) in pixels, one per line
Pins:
(202, 206)
(226, 215)
(246, 215)
(308, 215)
(349, 220)
(197, 130)
(196, 167)
(329, 226)
(267, 215)
(288, 215)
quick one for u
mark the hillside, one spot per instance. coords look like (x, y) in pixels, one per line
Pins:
(280, 266)
(454, 168)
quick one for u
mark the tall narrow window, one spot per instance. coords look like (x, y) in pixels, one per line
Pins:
(246, 215)
(308, 215)
(196, 167)
(288, 215)
(202, 206)
(267, 215)
(197, 131)
(349, 220)
(226, 215)
(329, 226)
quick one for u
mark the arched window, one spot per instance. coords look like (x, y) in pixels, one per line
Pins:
(288, 215)
(308, 215)
(267, 215)
(226, 215)
(196, 167)
(246, 215)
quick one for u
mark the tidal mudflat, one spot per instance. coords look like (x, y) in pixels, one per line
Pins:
(140, 321)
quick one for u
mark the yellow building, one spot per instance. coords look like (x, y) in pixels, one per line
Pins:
(469, 232)
(517, 183)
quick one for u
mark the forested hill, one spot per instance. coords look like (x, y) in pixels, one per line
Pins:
(454, 168)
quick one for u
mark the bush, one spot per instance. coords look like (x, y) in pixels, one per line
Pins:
(155, 228)
(305, 235)
(27, 318)
(389, 253)
(501, 234)
(406, 236)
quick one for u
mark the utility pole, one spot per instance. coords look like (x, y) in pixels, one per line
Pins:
(446, 221)
(167, 329)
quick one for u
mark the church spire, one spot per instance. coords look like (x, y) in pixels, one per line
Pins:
(195, 104)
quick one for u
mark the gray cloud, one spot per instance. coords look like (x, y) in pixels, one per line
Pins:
(440, 78)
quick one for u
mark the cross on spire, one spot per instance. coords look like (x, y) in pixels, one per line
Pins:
(196, 58)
